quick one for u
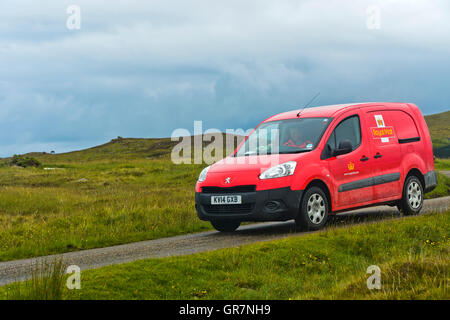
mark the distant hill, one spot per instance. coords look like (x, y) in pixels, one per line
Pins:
(131, 148)
(126, 148)
(439, 126)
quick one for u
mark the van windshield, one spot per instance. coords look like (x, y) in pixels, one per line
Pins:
(284, 136)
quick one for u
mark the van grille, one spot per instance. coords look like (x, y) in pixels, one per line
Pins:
(229, 209)
(236, 189)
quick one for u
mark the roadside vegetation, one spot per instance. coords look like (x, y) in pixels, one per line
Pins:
(94, 204)
(442, 164)
(412, 253)
(124, 191)
(47, 282)
(442, 189)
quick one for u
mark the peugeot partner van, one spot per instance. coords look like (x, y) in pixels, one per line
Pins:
(326, 160)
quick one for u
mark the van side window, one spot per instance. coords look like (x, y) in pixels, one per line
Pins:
(348, 129)
(332, 140)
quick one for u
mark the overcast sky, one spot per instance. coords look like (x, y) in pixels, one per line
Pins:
(144, 68)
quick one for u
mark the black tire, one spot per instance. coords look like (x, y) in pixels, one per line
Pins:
(314, 210)
(412, 196)
(225, 226)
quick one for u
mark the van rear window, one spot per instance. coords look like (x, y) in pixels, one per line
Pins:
(390, 126)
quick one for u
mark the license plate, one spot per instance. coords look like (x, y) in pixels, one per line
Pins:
(230, 199)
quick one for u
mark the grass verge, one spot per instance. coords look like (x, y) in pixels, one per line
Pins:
(47, 283)
(412, 253)
(442, 189)
(94, 204)
(75, 206)
(442, 164)
(125, 191)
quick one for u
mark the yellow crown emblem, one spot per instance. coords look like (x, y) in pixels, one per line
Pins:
(351, 166)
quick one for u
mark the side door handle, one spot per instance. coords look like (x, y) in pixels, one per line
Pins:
(364, 158)
(377, 156)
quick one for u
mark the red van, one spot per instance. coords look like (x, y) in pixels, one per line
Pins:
(323, 160)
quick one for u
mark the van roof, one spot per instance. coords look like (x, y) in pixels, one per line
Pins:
(333, 110)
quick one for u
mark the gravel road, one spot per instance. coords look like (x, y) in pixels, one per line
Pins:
(446, 172)
(204, 241)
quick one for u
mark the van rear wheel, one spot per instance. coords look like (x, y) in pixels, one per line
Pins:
(225, 226)
(412, 199)
(313, 210)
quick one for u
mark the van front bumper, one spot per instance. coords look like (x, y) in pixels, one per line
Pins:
(267, 205)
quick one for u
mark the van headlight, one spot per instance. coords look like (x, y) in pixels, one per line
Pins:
(281, 170)
(203, 174)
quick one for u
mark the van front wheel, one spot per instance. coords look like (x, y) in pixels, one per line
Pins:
(313, 210)
(225, 226)
(412, 199)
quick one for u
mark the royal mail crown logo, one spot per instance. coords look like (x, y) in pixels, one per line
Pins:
(379, 120)
(351, 166)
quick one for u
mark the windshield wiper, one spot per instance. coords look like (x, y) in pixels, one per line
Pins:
(295, 151)
(269, 153)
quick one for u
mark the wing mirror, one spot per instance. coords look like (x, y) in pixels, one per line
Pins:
(345, 146)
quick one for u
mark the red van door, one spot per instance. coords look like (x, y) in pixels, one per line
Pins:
(351, 172)
(382, 127)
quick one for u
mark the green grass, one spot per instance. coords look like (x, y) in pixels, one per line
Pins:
(442, 164)
(124, 191)
(94, 204)
(412, 253)
(91, 204)
(442, 189)
(47, 283)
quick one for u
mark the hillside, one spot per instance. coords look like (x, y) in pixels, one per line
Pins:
(119, 148)
(126, 148)
(439, 126)
(141, 148)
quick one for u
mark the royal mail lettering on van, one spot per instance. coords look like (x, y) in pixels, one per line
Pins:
(379, 133)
